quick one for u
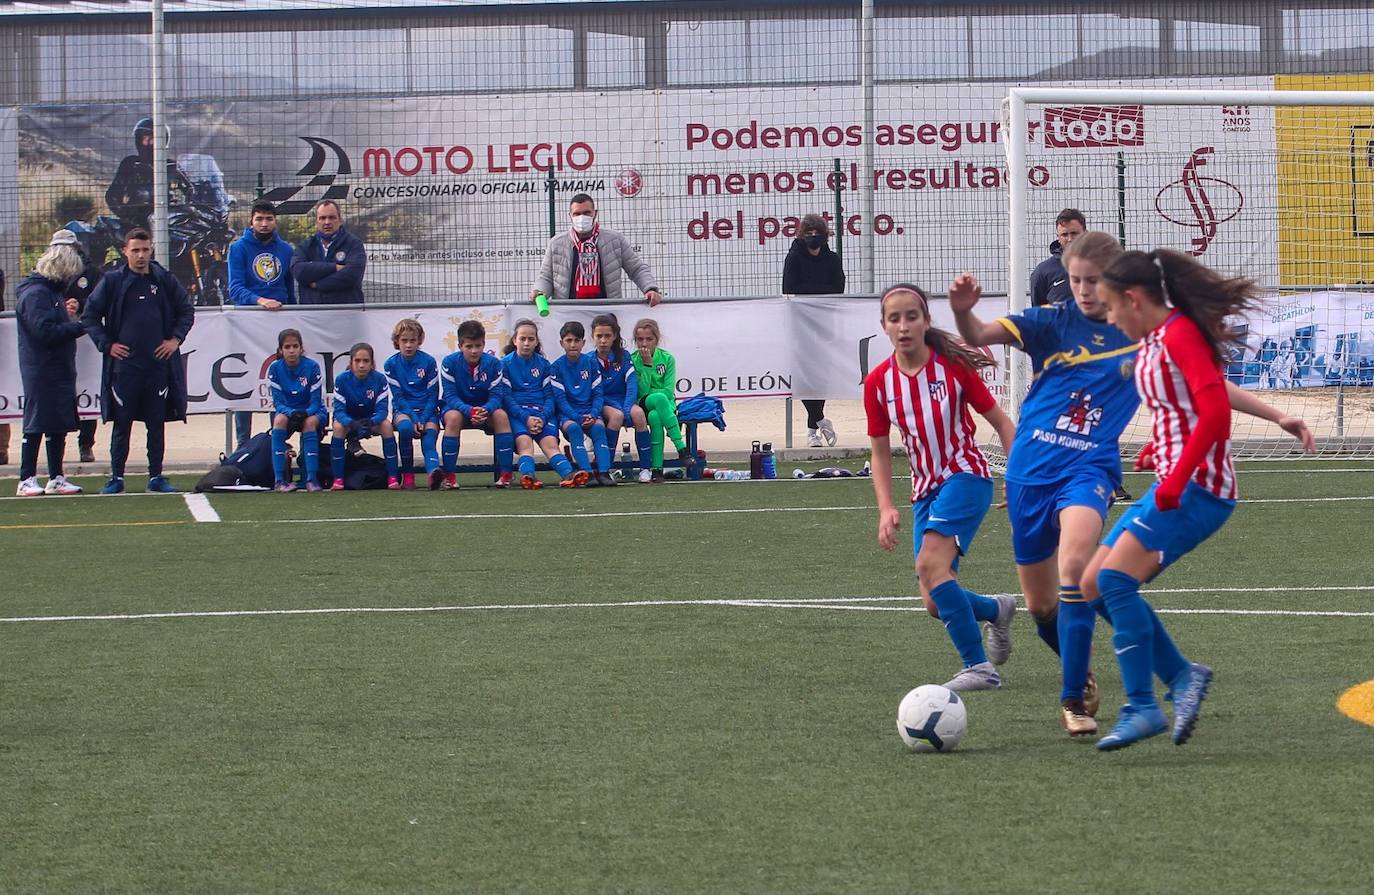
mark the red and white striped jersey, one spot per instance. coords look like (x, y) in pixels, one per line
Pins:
(1175, 363)
(931, 411)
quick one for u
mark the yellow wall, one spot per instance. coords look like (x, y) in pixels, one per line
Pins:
(1325, 185)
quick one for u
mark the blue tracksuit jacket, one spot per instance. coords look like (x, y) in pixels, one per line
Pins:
(297, 388)
(414, 386)
(528, 390)
(361, 399)
(466, 388)
(577, 388)
(619, 382)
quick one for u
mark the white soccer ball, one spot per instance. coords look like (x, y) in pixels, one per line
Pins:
(932, 718)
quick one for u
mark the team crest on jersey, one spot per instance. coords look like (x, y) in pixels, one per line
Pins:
(661, 369)
(584, 376)
(938, 390)
(305, 383)
(371, 393)
(1128, 367)
(1099, 340)
(420, 372)
(1082, 417)
(266, 267)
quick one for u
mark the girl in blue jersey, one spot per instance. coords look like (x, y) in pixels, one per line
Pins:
(576, 381)
(413, 377)
(1065, 463)
(474, 393)
(620, 389)
(297, 387)
(362, 409)
(530, 406)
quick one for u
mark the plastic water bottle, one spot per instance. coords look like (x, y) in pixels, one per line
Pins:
(625, 462)
(770, 463)
(756, 461)
(541, 301)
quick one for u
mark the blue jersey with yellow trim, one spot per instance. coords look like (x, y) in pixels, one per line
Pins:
(1082, 398)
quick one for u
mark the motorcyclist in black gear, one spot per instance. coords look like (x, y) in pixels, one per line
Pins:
(130, 195)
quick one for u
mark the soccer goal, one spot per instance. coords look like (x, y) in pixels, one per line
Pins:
(1274, 184)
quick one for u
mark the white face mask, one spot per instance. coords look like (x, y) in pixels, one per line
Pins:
(582, 223)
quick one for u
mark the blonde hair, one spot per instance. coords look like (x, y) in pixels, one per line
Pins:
(1095, 247)
(407, 326)
(651, 325)
(60, 263)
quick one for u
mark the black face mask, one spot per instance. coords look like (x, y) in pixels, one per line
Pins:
(814, 241)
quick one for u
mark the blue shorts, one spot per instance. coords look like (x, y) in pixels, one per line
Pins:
(292, 426)
(956, 508)
(1175, 533)
(518, 427)
(1034, 510)
(417, 416)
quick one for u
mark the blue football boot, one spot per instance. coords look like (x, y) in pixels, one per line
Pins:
(1133, 725)
(1189, 689)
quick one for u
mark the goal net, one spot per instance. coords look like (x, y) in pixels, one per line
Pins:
(1276, 185)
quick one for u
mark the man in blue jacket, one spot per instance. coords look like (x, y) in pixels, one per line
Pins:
(138, 316)
(259, 262)
(328, 267)
(1050, 282)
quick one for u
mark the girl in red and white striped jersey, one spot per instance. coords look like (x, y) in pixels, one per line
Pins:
(1179, 310)
(925, 389)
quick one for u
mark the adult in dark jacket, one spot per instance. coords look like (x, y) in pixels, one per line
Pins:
(328, 267)
(138, 316)
(80, 288)
(130, 194)
(1050, 281)
(812, 269)
(48, 331)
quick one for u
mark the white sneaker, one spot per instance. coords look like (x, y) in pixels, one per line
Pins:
(30, 488)
(998, 631)
(813, 438)
(975, 677)
(645, 476)
(827, 430)
(58, 484)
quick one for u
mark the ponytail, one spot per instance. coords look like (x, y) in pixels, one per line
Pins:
(1176, 280)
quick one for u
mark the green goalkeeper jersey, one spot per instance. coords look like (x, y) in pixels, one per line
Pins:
(660, 375)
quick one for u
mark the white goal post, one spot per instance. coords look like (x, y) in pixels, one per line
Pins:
(1273, 184)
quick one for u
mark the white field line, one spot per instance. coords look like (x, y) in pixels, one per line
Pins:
(200, 508)
(829, 603)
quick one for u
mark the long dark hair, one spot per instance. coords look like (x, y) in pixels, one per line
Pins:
(524, 321)
(937, 339)
(617, 344)
(289, 334)
(1175, 280)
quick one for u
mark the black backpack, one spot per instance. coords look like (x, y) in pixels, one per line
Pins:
(254, 461)
(362, 472)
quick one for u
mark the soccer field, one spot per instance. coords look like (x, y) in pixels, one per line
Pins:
(686, 688)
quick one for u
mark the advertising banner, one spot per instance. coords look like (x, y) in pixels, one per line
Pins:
(1308, 340)
(732, 349)
(451, 192)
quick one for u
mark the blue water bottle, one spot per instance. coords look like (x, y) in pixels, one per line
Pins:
(770, 463)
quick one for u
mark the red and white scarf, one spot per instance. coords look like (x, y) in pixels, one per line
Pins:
(587, 279)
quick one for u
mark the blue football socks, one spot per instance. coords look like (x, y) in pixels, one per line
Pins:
(310, 446)
(984, 608)
(505, 450)
(1048, 629)
(405, 434)
(603, 453)
(1077, 619)
(644, 447)
(957, 616)
(573, 432)
(1133, 639)
(338, 452)
(561, 465)
(428, 439)
(527, 465)
(389, 455)
(450, 449)
(278, 455)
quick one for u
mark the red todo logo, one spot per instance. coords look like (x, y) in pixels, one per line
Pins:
(1094, 127)
(629, 182)
(1197, 202)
